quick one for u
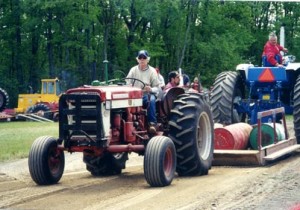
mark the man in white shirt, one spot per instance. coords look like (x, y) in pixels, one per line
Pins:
(146, 73)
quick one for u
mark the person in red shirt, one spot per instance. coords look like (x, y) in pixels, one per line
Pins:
(195, 84)
(174, 80)
(271, 53)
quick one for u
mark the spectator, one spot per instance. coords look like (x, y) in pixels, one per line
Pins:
(160, 79)
(195, 83)
(271, 54)
(146, 73)
(186, 81)
(174, 80)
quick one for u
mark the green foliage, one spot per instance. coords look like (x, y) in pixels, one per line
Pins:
(71, 39)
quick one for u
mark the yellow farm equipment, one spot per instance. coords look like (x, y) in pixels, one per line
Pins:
(43, 105)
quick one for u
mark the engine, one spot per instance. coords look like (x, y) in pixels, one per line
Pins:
(127, 124)
(100, 116)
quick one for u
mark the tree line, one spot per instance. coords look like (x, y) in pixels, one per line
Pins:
(77, 40)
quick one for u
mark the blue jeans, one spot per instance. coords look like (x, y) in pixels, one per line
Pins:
(265, 62)
(150, 105)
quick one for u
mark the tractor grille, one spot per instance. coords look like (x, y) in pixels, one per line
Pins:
(80, 121)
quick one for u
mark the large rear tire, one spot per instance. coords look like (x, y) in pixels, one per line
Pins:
(160, 161)
(4, 99)
(46, 162)
(106, 165)
(191, 129)
(228, 90)
(296, 109)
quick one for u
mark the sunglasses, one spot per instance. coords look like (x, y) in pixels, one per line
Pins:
(142, 57)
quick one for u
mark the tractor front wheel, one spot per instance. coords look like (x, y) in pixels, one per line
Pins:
(46, 162)
(160, 161)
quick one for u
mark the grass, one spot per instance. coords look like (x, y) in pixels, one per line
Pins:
(16, 138)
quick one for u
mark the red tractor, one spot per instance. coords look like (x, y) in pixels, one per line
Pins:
(106, 123)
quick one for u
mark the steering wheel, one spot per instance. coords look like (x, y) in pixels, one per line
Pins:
(136, 80)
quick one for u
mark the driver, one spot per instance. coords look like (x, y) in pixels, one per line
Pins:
(148, 75)
(271, 54)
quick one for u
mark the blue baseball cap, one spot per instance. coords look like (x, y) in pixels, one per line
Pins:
(143, 53)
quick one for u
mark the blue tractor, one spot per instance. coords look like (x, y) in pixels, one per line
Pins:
(237, 96)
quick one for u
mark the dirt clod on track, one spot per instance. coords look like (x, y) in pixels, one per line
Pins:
(276, 186)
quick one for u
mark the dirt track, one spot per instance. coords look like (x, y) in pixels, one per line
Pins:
(276, 186)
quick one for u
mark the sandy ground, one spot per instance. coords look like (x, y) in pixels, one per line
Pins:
(275, 186)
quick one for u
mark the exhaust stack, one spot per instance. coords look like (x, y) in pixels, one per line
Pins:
(282, 37)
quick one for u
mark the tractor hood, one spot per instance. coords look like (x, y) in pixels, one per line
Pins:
(111, 92)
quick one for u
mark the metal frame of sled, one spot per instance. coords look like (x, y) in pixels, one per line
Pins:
(263, 155)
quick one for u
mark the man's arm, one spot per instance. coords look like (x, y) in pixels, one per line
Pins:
(154, 81)
(129, 75)
(282, 49)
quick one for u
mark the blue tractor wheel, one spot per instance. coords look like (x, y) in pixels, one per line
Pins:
(296, 109)
(228, 90)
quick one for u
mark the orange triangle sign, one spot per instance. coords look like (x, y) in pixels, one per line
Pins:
(266, 76)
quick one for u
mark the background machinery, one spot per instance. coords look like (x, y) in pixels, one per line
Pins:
(43, 104)
(4, 99)
(238, 96)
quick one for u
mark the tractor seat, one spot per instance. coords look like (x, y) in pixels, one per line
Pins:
(168, 99)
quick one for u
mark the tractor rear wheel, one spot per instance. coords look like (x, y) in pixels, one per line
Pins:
(46, 162)
(191, 130)
(296, 109)
(41, 110)
(106, 165)
(160, 161)
(4, 99)
(227, 91)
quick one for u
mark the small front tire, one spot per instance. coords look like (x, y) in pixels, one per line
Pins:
(160, 161)
(46, 162)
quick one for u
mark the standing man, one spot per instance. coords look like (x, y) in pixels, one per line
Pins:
(160, 78)
(146, 73)
(174, 80)
(271, 53)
